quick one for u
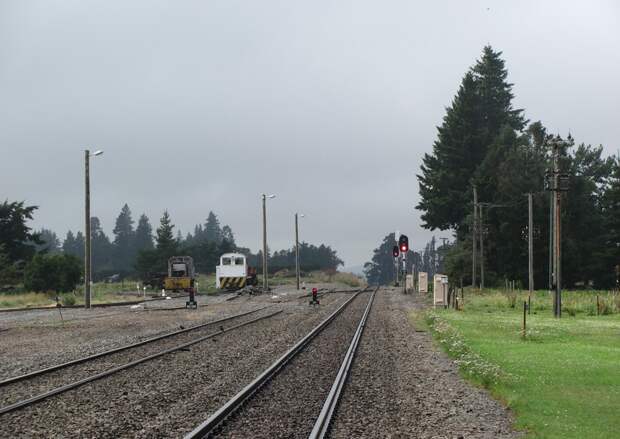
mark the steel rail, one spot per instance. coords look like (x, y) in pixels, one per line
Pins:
(213, 422)
(62, 389)
(119, 349)
(94, 305)
(323, 422)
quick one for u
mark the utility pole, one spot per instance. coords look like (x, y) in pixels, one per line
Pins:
(550, 241)
(297, 250)
(265, 282)
(87, 259)
(530, 242)
(87, 237)
(481, 232)
(558, 184)
(557, 229)
(473, 240)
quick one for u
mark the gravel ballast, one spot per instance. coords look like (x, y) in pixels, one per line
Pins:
(169, 396)
(36, 385)
(287, 406)
(402, 386)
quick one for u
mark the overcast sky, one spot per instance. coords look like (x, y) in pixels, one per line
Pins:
(204, 105)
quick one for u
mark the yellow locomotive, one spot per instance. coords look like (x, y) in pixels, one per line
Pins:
(182, 277)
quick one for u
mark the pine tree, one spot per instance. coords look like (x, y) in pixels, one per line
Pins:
(144, 234)
(227, 235)
(478, 112)
(15, 235)
(69, 245)
(611, 209)
(124, 240)
(102, 250)
(165, 235)
(49, 242)
(213, 232)
(80, 244)
(198, 233)
(380, 270)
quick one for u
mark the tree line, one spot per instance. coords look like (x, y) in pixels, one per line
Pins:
(486, 143)
(132, 252)
(381, 271)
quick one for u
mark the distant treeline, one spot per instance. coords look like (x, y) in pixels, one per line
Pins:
(381, 271)
(139, 252)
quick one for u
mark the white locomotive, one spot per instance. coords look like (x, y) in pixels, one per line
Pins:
(233, 272)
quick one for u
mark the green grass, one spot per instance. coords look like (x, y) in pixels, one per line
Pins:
(22, 300)
(562, 381)
(101, 292)
(347, 279)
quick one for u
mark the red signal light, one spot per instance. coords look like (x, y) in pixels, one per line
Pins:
(395, 251)
(403, 243)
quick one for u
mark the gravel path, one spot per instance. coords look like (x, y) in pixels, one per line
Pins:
(402, 386)
(287, 406)
(169, 396)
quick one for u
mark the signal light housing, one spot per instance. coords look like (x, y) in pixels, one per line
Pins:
(395, 251)
(403, 243)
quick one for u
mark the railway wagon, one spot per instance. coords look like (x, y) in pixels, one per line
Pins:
(233, 272)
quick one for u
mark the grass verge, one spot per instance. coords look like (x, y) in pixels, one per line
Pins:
(562, 381)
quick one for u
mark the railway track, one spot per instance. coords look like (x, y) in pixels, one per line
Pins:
(25, 390)
(94, 305)
(241, 415)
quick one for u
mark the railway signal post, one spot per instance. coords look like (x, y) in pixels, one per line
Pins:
(395, 254)
(403, 246)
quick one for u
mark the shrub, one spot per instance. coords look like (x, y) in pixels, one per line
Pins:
(59, 272)
(68, 299)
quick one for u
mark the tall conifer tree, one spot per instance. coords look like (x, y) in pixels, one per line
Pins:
(144, 234)
(481, 108)
(213, 232)
(165, 236)
(124, 240)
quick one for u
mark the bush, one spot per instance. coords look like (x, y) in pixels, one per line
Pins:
(68, 299)
(59, 273)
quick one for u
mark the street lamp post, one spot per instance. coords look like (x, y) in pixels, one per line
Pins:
(297, 273)
(87, 251)
(265, 282)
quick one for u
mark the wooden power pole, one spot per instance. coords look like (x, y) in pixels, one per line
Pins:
(87, 252)
(265, 283)
(297, 251)
(481, 233)
(530, 242)
(473, 239)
